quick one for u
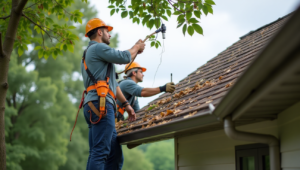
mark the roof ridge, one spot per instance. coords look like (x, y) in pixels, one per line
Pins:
(260, 28)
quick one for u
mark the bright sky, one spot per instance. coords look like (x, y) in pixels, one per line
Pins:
(183, 55)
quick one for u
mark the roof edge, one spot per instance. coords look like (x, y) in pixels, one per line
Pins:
(264, 66)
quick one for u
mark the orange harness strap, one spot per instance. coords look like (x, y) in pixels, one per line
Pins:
(121, 109)
(80, 106)
(102, 88)
(93, 87)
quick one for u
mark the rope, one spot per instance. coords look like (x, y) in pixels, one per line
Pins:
(162, 51)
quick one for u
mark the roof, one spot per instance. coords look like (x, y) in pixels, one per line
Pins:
(187, 110)
(272, 83)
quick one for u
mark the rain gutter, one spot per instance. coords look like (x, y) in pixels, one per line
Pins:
(272, 141)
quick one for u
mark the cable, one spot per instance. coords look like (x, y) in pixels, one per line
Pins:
(162, 51)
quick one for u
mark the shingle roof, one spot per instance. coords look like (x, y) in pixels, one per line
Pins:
(208, 84)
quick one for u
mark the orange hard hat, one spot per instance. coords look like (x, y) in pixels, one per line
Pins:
(95, 23)
(134, 65)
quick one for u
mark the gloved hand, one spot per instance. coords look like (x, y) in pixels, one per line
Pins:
(169, 87)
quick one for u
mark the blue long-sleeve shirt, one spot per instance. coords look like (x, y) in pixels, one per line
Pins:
(97, 58)
(131, 91)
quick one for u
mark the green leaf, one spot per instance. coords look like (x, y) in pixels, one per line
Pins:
(181, 20)
(200, 6)
(152, 43)
(152, 107)
(65, 47)
(130, 14)
(70, 48)
(176, 13)
(169, 13)
(197, 14)
(111, 6)
(179, 25)
(45, 5)
(184, 29)
(46, 55)
(61, 46)
(124, 14)
(156, 45)
(209, 8)
(180, 17)
(205, 10)
(211, 2)
(190, 30)
(146, 19)
(198, 28)
(40, 53)
(165, 18)
(37, 47)
(134, 19)
(193, 20)
(20, 51)
(112, 12)
(71, 27)
(151, 23)
(188, 15)
(157, 22)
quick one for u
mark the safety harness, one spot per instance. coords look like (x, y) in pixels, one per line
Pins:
(102, 88)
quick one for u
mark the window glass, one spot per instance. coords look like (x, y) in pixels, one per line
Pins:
(266, 162)
(248, 163)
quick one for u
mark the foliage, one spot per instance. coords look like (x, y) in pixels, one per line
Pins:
(135, 159)
(40, 14)
(40, 108)
(151, 13)
(161, 154)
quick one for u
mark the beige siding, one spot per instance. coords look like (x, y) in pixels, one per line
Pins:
(289, 133)
(215, 151)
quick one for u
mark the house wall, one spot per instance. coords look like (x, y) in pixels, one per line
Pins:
(215, 151)
(289, 134)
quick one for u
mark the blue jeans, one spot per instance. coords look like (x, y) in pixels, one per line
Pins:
(105, 152)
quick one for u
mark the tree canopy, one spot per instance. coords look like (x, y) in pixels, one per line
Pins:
(150, 13)
(36, 29)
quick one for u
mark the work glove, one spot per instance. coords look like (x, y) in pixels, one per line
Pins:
(169, 87)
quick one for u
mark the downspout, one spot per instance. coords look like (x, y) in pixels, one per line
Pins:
(272, 141)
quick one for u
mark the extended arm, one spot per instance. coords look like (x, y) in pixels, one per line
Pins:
(147, 92)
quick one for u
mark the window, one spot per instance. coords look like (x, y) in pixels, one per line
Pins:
(252, 157)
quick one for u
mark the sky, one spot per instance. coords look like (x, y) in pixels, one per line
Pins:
(184, 54)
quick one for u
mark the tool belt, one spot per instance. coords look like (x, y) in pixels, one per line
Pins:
(102, 88)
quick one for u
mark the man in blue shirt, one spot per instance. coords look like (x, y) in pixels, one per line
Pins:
(105, 152)
(130, 89)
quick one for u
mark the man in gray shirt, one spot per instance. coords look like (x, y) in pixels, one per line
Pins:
(105, 152)
(131, 90)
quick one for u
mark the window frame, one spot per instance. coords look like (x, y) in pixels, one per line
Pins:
(258, 151)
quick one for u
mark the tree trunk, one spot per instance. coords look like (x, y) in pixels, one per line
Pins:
(5, 53)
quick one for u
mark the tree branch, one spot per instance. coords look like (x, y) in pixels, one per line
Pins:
(43, 40)
(5, 17)
(31, 5)
(1, 47)
(37, 25)
(20, 6)
(63, 8)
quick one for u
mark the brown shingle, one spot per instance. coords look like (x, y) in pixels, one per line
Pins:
(208, 84)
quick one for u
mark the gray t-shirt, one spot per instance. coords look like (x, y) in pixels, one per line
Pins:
(131, 91)
(97, 58)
